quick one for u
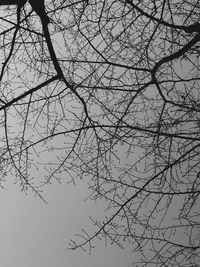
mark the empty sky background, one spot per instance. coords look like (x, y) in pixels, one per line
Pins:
(35, 234)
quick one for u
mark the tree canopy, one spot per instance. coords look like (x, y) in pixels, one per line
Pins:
(108, 90)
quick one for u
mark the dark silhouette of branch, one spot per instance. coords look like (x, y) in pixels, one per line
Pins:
(39, 8)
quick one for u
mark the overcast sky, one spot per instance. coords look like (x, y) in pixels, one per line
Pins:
(35, 234)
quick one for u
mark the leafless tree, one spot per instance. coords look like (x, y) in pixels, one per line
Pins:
(108, 90)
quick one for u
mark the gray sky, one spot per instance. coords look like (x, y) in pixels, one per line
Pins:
(35, 234)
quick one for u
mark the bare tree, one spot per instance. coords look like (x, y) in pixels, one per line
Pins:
(110, 90)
